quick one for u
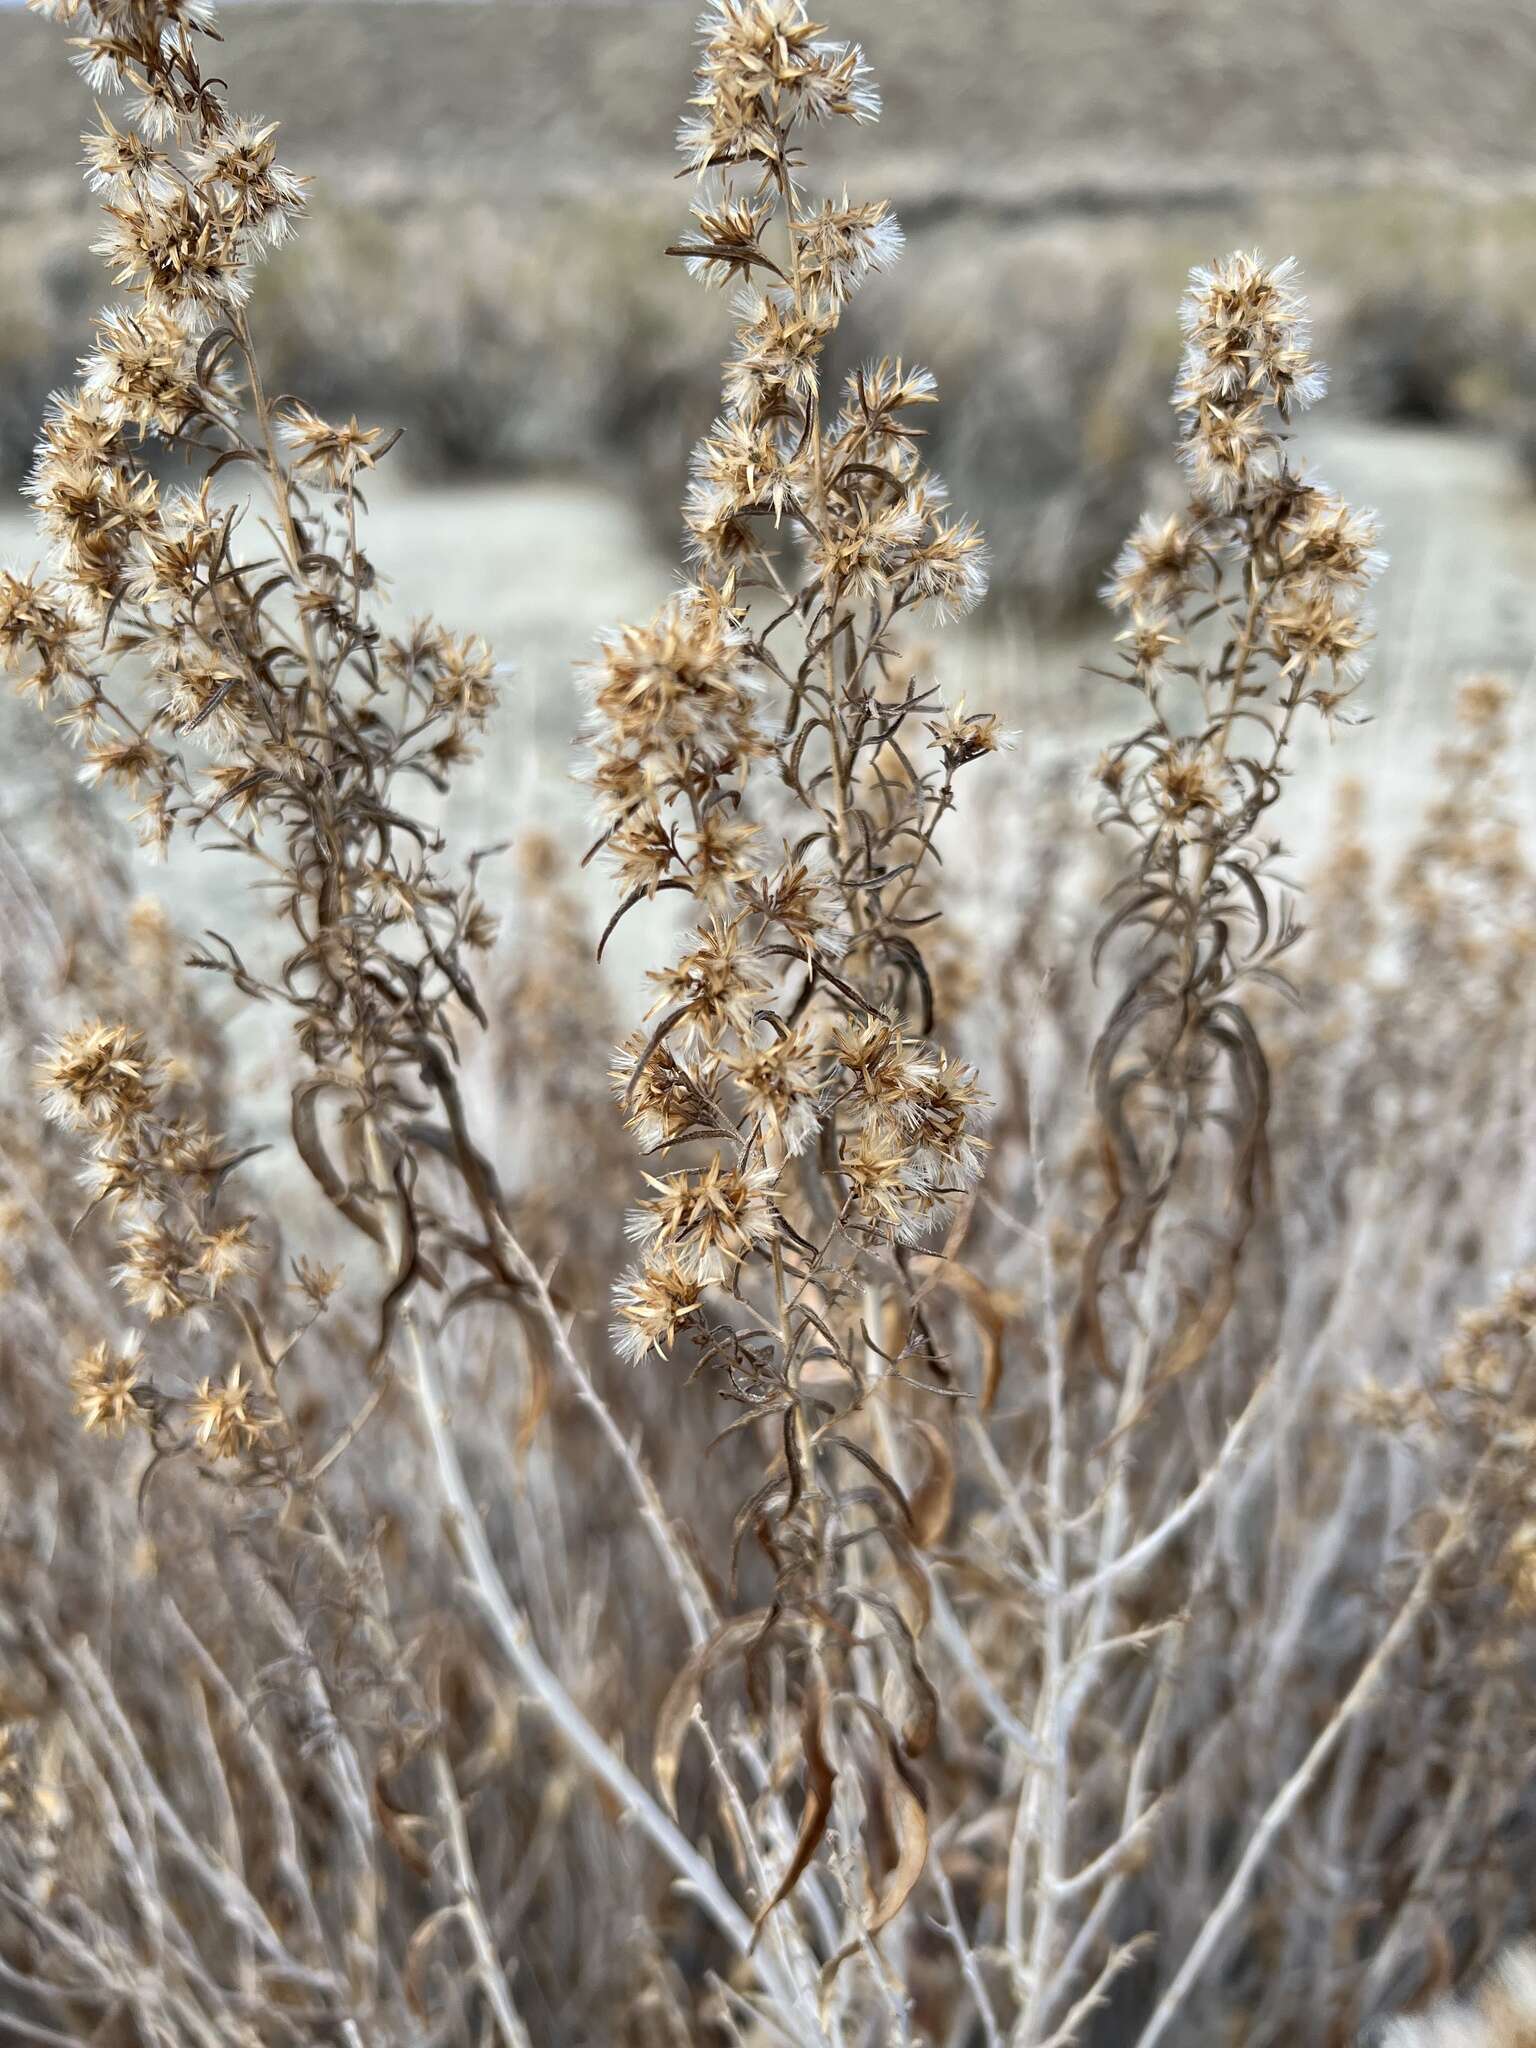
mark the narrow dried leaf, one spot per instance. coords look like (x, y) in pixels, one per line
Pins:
(906, 1817)
(820, 1777)
(934, 1498)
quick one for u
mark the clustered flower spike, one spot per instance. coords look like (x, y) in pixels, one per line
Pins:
(766, 68)
(267, 703)
(193, 196)
(1247, 355)
(1304, 557)
(161, 1177)
(1241, 611)
(752, 1027)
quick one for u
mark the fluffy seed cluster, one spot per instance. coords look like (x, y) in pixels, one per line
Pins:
(1307, 557)
(868, 511)
(216, 660)
(193, 194)
(766, 68)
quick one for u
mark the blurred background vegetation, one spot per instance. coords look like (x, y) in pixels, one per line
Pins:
(494, 185)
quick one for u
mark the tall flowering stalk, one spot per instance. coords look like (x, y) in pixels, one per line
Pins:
(216, 657)
(217, 660)
(764, 748)
(1244, 612)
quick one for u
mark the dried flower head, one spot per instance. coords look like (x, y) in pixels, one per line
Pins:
(225, 1419)
(315, 1282)
(107, 1386)
(333, 454)
(654, 1302)
(98, 1077)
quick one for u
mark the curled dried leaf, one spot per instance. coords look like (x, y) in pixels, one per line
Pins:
(820, 1778)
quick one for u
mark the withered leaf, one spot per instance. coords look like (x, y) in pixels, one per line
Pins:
(987, 1308)
(820, 1777)
(684, 1694)
(934, 1497)
(906, 1818)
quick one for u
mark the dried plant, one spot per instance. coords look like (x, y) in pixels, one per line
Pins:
(1243, 613)
(765, 748)
(1096, 1605)
(270, 660)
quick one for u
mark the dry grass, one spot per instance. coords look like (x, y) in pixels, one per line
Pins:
(1028, 1540)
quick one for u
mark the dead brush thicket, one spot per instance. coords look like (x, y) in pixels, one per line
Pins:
(1042, 1552)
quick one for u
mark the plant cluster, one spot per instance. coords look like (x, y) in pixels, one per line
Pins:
(1105, 1612)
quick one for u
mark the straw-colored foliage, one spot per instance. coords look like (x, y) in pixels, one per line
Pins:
(967, 1485)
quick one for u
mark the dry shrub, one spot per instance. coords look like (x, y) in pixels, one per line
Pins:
(1038, 1565)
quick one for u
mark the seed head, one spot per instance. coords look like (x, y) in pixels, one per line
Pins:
(764, 67)
(675, 686)
(143, 372)
(708, 1221)
(1187, 786)
(892, 1195)
(838, 246)
(883, 1071)
(237, 166)
(334, 454)
(98, 1078)
(41, 634)
(157, 1270)
(106, 1386)
(120, 163)
(224, 1419)
(667, 1099)
(654, 1302)
(1157, 568)
(227, 1254)
(781, 1084)
(963, 736)
(718, 982)
(180, 251)
(315, 1282)
(799, 898)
